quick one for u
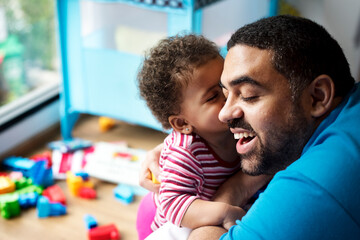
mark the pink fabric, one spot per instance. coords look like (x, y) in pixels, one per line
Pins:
(145, 216)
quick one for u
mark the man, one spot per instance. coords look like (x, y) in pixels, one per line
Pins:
(288, 83)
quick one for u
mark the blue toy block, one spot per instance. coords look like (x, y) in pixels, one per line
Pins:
(46, 208)
(23, 165)
(90, 221)
(83, 175)
(37, 171)
(41, 175)
(27, 200)
(124, 193)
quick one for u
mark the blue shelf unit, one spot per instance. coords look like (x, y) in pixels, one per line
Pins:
(101, 80)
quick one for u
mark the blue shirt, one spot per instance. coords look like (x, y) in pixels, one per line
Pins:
(318, 196)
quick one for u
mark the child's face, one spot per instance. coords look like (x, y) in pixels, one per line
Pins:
(203, 100)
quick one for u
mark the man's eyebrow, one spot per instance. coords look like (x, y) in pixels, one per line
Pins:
(241, 80)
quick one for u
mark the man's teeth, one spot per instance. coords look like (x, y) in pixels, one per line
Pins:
(242, 135)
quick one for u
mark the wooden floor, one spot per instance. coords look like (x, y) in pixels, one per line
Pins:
(105, 208)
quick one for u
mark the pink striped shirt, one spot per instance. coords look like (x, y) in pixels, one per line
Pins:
(189, 170)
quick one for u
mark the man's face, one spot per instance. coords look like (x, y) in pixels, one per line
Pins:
(271, 129)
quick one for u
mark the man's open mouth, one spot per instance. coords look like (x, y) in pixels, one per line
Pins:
(244, 137)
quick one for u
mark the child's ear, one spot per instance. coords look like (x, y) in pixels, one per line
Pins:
(322, 92)
(179, 124)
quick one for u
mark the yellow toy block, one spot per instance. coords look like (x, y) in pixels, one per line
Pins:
(106, 123)
(153, 179)
(88, 184)
(6, 185)
(75, 183)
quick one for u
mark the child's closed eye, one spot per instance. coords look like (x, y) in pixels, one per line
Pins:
(212, 97)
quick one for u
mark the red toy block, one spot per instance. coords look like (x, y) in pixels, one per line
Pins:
(55, 194)
(86, 192)
(104, 232)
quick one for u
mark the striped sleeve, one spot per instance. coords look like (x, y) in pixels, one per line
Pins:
(181, 179)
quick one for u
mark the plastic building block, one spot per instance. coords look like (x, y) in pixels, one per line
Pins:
(106, 123)
(124, 193)
(90, 221)
(153, 179)
(9, 206)
(46, 208)
(41, 175)
(6, 185)
(55, 194)
(83, 175)
(45, 156)
(88, 184)
(75, 183)
(104, 232)
(19, 164)
(22, 182)
(29, 189)
(16, 175)
(37, 171)
(27, 200)
(86, 192)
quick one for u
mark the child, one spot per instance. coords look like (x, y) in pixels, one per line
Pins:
(179, 80)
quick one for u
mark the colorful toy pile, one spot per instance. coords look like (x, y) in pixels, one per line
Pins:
(30, 182)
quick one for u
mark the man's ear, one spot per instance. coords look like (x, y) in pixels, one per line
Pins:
(180, 124)
(322, 91)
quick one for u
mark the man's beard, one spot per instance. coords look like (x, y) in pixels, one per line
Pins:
(283, 145)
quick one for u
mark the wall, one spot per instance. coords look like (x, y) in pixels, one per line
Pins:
(341, 19)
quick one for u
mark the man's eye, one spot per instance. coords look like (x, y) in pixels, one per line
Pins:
(249, 99)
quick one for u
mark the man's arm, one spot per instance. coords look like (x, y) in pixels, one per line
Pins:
(208, 213)
(231, 195)
(207, 233)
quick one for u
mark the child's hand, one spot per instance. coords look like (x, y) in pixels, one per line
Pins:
(150, 166)
(234, 213)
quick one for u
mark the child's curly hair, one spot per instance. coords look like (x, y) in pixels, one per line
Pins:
(167, 68)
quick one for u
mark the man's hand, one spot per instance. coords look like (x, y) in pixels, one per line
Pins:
(148, 166)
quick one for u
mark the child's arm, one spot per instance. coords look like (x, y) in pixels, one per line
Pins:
(238, 189)
(207, 213)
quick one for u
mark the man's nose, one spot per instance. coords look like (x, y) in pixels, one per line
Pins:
(230, 110)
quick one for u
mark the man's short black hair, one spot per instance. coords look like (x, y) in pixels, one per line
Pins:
(302, 50)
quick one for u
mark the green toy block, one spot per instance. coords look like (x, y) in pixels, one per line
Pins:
(9, 206)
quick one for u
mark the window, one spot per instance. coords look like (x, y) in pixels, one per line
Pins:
(29, 72)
